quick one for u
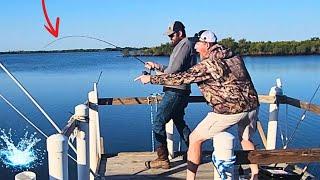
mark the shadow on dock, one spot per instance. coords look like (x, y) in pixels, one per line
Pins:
(131, 166)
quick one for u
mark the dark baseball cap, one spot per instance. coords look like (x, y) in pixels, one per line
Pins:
(174, 27)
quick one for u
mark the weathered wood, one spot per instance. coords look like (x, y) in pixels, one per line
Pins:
(267, 99)
(302, 105)
(130, 165)
(151, 100)
(128, 100)
(281, 99)
(261, 133)
(69, 128)
(102, 145)
(278, 156)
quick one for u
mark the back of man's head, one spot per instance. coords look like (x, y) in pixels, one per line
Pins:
(208, 36)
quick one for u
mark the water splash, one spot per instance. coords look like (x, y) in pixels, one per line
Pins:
(20, 156)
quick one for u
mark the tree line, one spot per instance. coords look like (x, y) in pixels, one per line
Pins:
(242, 47)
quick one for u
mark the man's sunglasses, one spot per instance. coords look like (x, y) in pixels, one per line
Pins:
(171, 35)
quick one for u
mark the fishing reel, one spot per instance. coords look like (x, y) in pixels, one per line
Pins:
(146, 72)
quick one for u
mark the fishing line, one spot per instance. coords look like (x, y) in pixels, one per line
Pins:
(302, 117)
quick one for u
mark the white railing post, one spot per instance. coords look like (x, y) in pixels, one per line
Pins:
(95, 88)
(223, 144)
(57, 147)
(81, 115)
(26, 175)
(273, 117)
(169, 131)
(94, 130)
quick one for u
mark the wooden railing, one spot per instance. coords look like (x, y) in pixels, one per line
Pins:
(85, 123)
(281, 99)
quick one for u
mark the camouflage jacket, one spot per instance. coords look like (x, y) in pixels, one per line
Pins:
(223, 80)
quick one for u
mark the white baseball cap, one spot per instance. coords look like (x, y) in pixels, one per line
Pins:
(208, 36)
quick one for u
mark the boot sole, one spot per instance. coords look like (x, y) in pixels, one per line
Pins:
(148, 166)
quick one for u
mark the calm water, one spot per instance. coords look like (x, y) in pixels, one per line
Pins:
(61, 81)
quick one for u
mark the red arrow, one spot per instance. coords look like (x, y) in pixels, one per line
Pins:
(53, 31)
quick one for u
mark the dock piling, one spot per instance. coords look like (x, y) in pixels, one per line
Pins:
(26, 175)
(94, 131)
(57, 147)
(223, 156)
(81, 115)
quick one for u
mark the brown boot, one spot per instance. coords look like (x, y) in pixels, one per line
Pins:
(161, 161)
(158, 163)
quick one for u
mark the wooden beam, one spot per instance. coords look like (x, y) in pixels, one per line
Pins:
(128, 100)
(303, 105)
(199, 99)
(262, 134)
(265, 157)
(267, 99)
(146, 100)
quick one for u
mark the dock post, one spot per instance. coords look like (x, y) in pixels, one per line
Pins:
(81, 115)
(57, 147)
(94, 130)
(26, 175)
(223, 155)
(169, 131)
(99, 149)
(273, 117)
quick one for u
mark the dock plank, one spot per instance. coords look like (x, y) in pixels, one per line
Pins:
(131, 166)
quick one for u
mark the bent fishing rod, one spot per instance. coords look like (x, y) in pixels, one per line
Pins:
(93, 38)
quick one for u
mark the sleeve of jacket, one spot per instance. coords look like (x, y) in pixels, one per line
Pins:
(195, 74)
(183, 53)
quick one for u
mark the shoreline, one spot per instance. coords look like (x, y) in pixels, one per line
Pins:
(140, 55)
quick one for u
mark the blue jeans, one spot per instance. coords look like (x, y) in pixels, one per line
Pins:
(171, 107)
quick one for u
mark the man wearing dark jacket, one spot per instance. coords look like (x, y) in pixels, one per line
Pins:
(175, 98)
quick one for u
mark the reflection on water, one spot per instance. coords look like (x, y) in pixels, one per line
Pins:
(59, 82)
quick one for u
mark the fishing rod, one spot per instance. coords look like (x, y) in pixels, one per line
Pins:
(99, 77)
(29, 121)
(30, 97)
(93, 38)
(101, 40)
(304, 170)
(34, 102)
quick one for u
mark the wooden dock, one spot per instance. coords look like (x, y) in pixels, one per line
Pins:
(130, 165)
(93, 164)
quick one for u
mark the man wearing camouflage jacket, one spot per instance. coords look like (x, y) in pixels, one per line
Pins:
(227, 87)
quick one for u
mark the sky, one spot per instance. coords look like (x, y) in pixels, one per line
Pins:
(141, 23)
